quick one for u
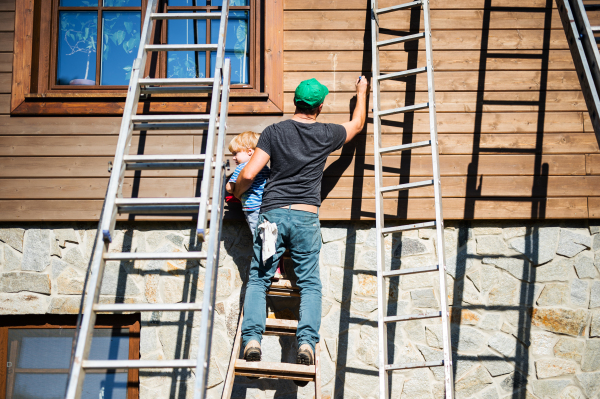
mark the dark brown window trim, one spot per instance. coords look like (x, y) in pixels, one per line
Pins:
(132, 322)
(27, 100)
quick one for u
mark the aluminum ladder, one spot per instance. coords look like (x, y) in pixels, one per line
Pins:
(584, 49)
(382, 231)
(114, 203)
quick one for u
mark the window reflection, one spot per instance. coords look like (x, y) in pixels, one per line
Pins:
(78, 3)
(237, 45)
(122, 3)
(77, 48)
(120, 43)
(186, 64)
(187, 3)
(38, 363)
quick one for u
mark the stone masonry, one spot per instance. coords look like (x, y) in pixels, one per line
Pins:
(525, 305)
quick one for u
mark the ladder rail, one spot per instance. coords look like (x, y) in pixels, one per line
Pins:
(439, 215)
(381, 286)
(212, 262)
(214, 105)
(125, 133)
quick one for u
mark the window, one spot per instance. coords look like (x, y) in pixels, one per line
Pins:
(37, 357)
(85, 58)
(75, 56)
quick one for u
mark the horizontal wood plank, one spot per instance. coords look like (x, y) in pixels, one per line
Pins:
(496, 40)
(472, 186)
(4, 103)
(5, 83)
(338, 209)
(440, 19)
(447, 81)
(452, 101)
(7, 21)
(340, 61)
(80, 146)
(593, 164)
(93, 188)
(594, 207)
(6, 60)
(433, 4)
(6, 41)
(7, 5)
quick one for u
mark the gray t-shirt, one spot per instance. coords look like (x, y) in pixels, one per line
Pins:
(298, 154)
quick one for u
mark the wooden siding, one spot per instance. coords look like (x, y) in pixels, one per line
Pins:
(515, 138)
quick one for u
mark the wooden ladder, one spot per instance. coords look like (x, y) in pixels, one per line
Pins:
(279, 327)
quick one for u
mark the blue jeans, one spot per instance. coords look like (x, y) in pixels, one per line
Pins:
(300, 232)
(252, 219)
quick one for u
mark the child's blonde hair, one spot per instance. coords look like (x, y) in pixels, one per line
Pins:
(244, 141)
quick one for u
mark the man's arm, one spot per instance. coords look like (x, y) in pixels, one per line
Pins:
(253, 167)
(359, 116)
(229, 187)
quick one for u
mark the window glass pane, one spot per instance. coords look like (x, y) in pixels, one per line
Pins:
(77, 48)
(122, 3)
(237, 45)
(120, 43)
(238, 3)
(79, 3)
(186, 64)
(34, 353)
(187, 3)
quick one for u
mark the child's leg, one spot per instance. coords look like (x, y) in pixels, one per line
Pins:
(252, 219)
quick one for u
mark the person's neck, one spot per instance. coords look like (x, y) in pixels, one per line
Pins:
(304, 118)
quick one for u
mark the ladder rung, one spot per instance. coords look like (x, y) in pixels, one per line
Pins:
(172, 126)
(164, 158)
(418, 365)
(409, 108)
(164, 165)
(406, 227)
(283, 284)
(176, 89)
(403, 39)
(398, 7)
(139, 364)
(394, 319)
(413, 270)
(154, 255)
(282, 324)
(157, 201)
(158, 209)
(181, 47)
(189, 15)
(402, 74)
(177, 81)
(277, 370)
(405, 147)
(595, 28)
(170, 118)
(407, 186)
(148, 307)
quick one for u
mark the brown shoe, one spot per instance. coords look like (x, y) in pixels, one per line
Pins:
(305, 356)
(252, 351)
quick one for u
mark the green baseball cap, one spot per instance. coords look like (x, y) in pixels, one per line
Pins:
(310, 93)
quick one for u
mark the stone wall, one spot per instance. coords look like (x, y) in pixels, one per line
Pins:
(525, 305)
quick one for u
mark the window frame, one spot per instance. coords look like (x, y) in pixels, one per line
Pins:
(32, 55)
(132, 322)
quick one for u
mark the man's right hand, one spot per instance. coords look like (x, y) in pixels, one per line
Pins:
(362, 85)
(355, 126)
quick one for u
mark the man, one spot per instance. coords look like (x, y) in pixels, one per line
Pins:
(298, 149)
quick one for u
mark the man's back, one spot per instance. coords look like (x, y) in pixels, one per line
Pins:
(298, 153)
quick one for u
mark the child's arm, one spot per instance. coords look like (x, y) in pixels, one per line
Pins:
(230, 187)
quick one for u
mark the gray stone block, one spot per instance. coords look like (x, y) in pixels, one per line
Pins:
(594, 227)
(476, 381)
(486, 230)
(70, 282)
(492, 245)
(518, 268)
(364, 305)
(18, 282)
(54, 248)
(595, 295)
(367, 284)
(490, 321)
(548, 368)
(569, 348)
(540, 246)
(503, 343)
(590, 382)
(554, 294)
(571, 392)
(12, 259)
(596, 243)
(74, 256)
(423, 299)
(495, 365)
(505, 292)
(549, 388)
(57, 267)
(23, 303)
(579, 293)
(591, 356)
(66, 235)
(563, 321)
(340, 283)
(595, 325)
(584, 266)
(417, 387)
(408, 247)
(542, 343)
(329, 234)
(557, 270)
(571, 243)
(36, 253)
(491, 393)
(13, 237)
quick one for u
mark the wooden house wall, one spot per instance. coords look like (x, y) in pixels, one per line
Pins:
(514, 134)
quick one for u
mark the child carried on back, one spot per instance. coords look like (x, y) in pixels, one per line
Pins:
(242, 148)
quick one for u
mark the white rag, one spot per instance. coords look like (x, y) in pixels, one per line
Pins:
(268, 234)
